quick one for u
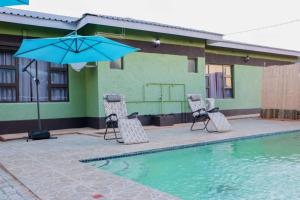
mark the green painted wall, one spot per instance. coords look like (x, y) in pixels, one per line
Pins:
(247, 89)
(91, 92)
(74, 108)
(142, 69)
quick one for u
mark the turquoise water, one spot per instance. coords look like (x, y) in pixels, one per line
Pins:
(262, 168)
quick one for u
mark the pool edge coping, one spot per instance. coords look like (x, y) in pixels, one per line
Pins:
(176, 147)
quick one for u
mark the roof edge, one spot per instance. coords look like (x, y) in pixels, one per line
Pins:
(252, 47)
(146, 26)
(34, 18)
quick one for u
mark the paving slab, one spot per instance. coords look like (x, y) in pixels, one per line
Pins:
(11, 189)
(51, 168)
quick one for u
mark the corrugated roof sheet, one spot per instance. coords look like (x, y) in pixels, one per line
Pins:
(37, 15)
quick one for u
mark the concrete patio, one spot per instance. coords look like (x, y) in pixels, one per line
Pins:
(51, 168)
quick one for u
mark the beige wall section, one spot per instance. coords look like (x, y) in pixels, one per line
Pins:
(281, 87)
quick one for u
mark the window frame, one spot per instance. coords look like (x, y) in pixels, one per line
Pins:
(11, 85)
(224, 81)
(16, 85)
(196, 65)
(122, 64)
(207, 86)
(52, 86)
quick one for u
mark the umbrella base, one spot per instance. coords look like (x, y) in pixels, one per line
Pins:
(38, 134)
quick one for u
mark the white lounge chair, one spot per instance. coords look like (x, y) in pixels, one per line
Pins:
(130, 128)
(205, 112)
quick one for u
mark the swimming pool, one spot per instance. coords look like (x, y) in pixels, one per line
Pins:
(259, 168)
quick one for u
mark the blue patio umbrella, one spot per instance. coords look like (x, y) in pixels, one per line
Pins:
(73, 49)
(70, 49)
(13, 2)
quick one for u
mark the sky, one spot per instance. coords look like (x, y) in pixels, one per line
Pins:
(220, 16)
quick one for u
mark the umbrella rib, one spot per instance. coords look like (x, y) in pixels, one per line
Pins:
(90, 46)
(67, 52)
(98, 51)
(62, 48)
(18, 54)
(82, 41)
(68, 46)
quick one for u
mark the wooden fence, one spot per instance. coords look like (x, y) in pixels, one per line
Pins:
(281, 92)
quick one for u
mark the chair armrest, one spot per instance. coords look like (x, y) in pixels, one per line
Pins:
(133, 115)
(199, 111)
(110, 116)
(213, 110)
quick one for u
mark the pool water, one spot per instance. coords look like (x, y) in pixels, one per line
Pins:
(261, 168)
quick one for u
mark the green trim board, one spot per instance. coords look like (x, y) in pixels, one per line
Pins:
(129, 34)
(30, 31)
(232, 52)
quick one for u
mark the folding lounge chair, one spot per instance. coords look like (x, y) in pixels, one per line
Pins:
(204, 112)
(130, 127)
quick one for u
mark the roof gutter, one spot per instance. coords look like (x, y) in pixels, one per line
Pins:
(251, 47)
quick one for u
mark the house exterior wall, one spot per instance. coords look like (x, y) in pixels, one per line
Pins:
(247, 89)
(142, 69)
(49, 110)
(147, 76)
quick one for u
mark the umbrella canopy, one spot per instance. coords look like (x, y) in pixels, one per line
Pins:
(73, 49)
(13, 2)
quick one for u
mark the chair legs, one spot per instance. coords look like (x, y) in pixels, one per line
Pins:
(113, 126)
(205, 123)
(195, 121)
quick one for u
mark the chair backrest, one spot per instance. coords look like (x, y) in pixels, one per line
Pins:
(115, 104)
(195, 102)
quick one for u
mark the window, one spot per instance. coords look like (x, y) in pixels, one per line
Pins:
(219, 81)
(17, 86)
(192, 65)
(117, 64)
(8, 78)
(58, 82)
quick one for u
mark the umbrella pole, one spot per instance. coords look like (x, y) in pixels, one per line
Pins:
(37, 83)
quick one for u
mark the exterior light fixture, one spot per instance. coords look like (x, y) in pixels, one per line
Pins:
(247, 58)
(156, 42)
